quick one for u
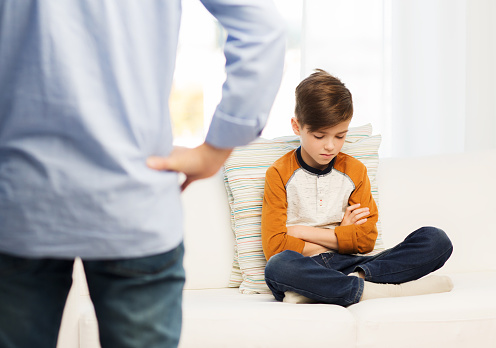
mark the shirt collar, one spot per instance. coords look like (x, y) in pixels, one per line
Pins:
(312, 169)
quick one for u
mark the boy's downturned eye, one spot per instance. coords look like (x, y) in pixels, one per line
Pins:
(318, 136)
(340, 137)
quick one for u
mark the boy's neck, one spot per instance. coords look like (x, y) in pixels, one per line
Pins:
(311, 169)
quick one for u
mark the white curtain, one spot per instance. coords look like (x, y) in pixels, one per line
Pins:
(480, 129)
(443, 73)
(422, 71)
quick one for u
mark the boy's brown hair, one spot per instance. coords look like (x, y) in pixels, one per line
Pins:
(322, 101)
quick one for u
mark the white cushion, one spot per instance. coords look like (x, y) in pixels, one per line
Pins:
(227, 318)
(208, 237)
(465, 317)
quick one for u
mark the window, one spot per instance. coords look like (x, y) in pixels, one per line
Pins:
(345, 38)
(197, 83)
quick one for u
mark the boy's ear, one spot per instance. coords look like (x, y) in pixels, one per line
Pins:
(295, 126)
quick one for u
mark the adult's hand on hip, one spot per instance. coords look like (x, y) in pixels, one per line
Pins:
(196, 163)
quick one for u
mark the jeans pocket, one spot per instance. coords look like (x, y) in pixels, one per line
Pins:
(10, 264)
(327, 259)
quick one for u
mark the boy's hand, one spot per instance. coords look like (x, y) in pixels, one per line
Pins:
(355, 215)
(197, 163)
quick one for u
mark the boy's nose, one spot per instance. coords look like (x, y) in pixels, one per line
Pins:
(329, 146)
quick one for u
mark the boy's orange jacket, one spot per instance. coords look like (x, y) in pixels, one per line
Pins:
(296, 194)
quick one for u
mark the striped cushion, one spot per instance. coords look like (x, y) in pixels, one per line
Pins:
(244, 177)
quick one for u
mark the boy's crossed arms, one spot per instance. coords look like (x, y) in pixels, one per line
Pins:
(319, 240)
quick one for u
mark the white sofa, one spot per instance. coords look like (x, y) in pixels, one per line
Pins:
(454, 192)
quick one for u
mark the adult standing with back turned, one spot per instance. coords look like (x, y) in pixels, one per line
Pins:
(84, 126)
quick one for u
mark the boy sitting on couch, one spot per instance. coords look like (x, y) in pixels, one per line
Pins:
(319, 217)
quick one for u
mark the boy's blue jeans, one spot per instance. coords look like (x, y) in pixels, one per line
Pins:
(137, 301)
(324, 277)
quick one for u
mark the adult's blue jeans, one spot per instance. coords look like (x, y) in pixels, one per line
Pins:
(324, 279)
(137, 301)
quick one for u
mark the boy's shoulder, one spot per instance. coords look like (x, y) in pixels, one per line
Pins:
(346, 164)
(284, 166)
(285, 159)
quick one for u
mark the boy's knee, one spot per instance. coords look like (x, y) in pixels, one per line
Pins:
(275, 262)
(278, 264)
(438, 238)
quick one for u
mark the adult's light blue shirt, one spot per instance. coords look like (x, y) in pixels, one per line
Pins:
(84, 88)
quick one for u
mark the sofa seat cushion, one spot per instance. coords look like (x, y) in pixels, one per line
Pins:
(226, 318)
(465, 317)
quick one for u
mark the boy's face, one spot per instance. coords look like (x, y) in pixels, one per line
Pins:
(320, 147)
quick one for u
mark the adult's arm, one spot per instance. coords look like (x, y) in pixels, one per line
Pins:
(254, 50)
